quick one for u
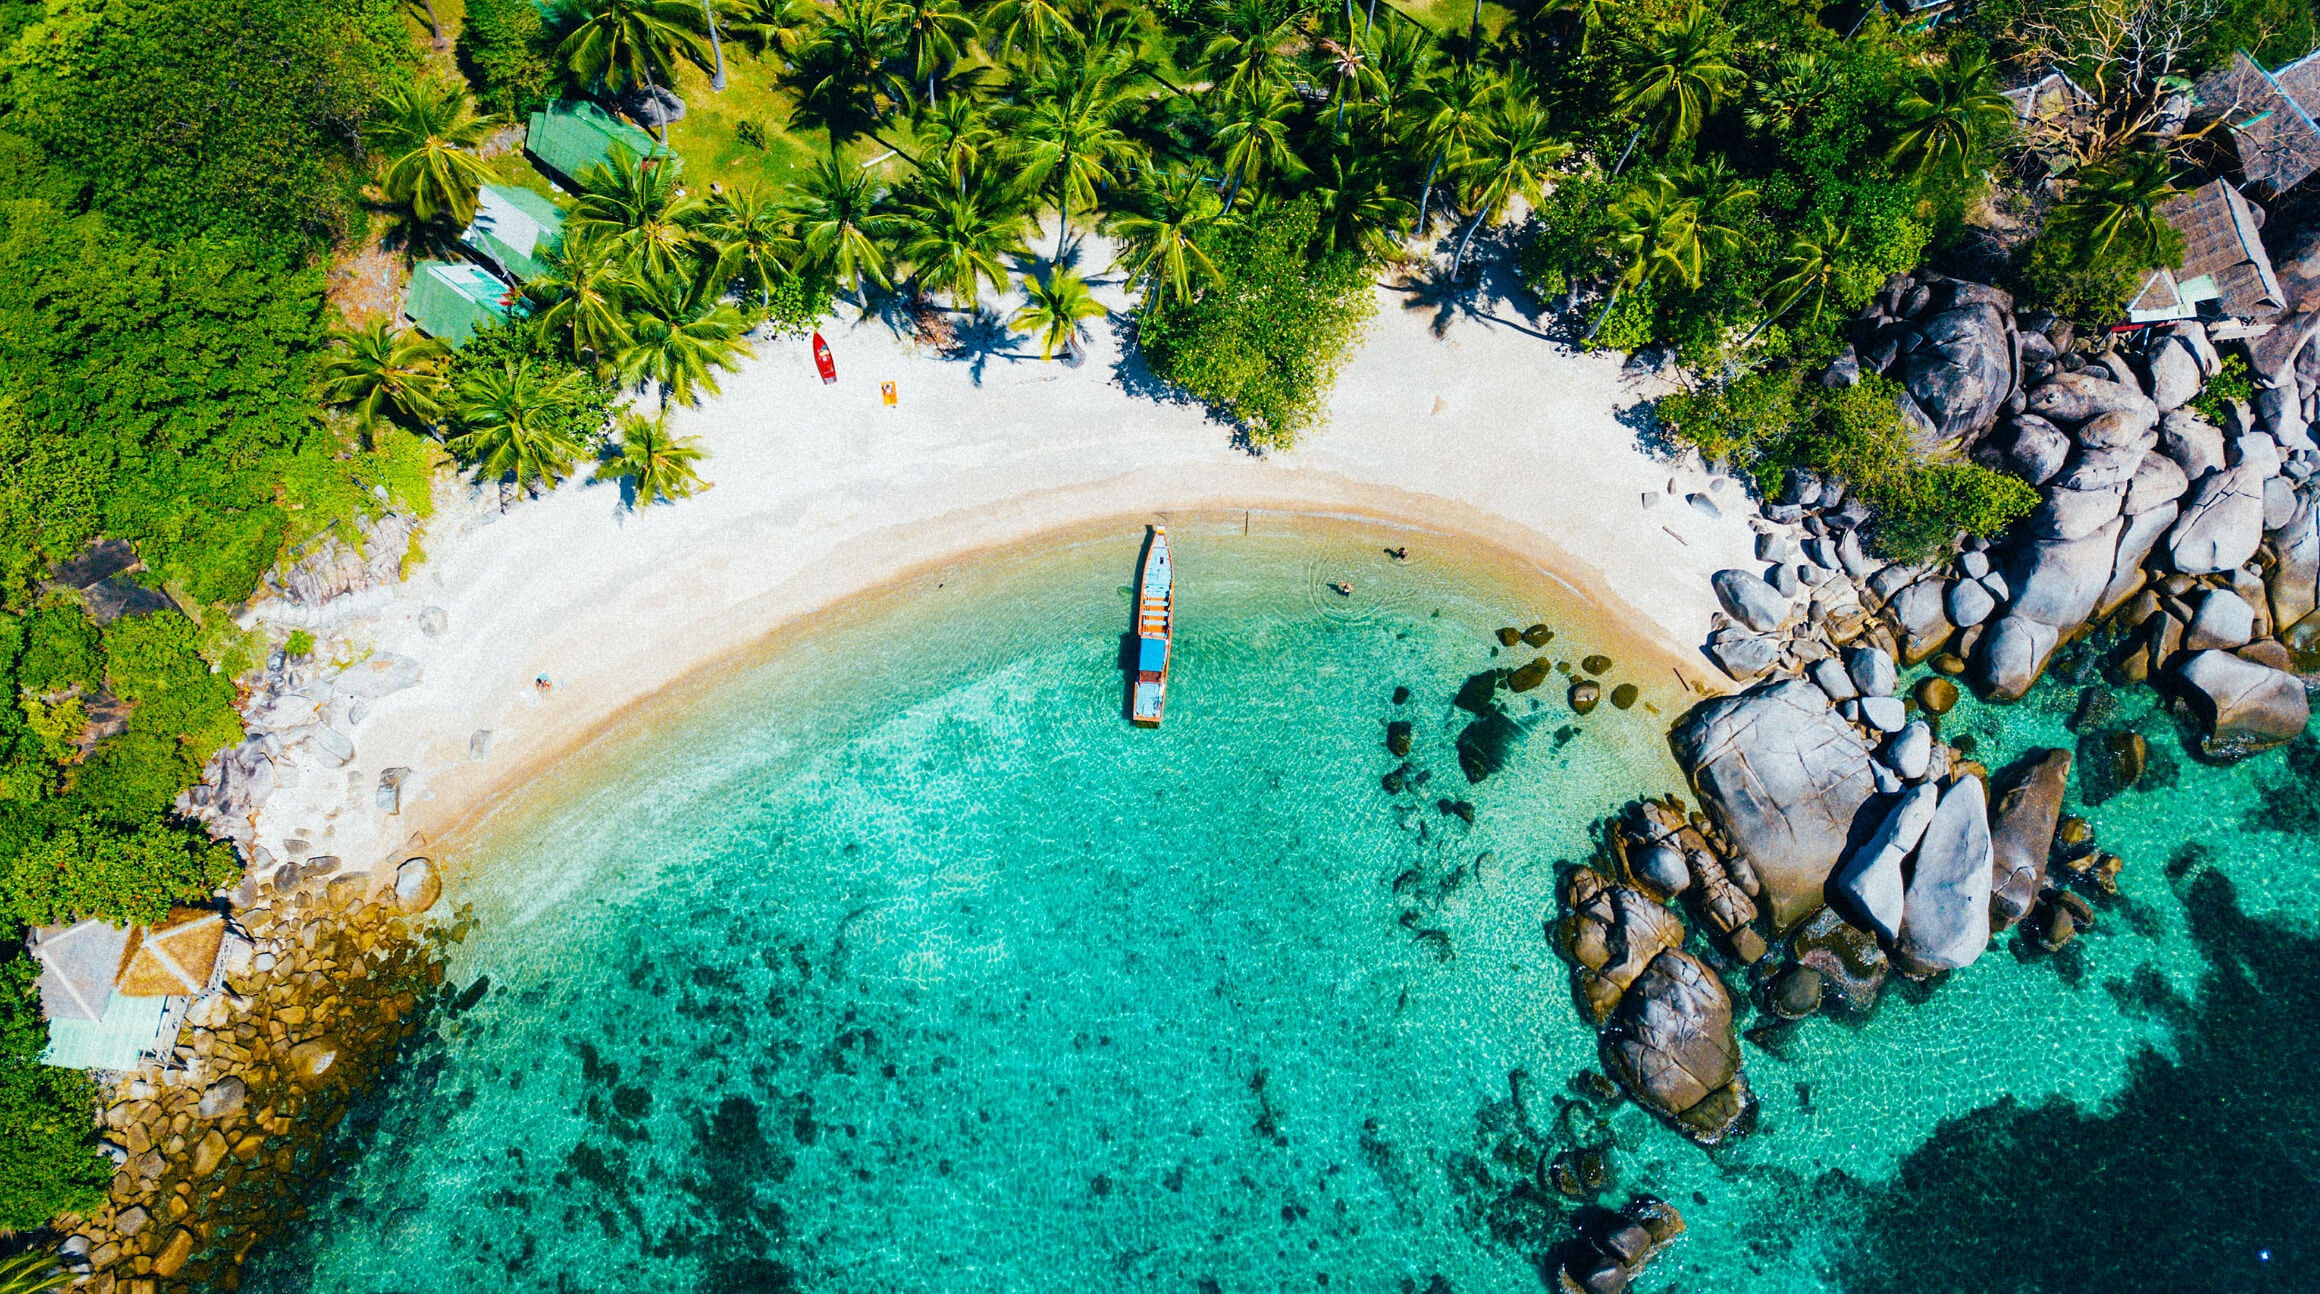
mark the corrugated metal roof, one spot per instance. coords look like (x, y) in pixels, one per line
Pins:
(78, 964)
(130, 1028)
(514, 229)
(450, 300)
(568, 138)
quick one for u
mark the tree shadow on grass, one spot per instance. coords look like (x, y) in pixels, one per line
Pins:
(2201, 1174)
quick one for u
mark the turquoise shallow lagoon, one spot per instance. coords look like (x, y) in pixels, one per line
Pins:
(897, 960)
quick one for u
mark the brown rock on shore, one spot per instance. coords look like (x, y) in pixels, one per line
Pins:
(226, 1138)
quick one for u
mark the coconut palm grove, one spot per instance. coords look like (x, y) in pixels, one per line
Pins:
(271, 270)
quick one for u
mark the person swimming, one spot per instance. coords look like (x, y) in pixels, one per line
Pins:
(1344, 588)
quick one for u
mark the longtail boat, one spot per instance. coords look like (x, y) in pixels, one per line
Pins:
(1155, 625)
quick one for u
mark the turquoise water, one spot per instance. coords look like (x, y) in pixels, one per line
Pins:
(897, 960)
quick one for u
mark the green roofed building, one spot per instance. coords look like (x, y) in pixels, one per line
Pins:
(514, 229)
(568, 138)
(450, 300)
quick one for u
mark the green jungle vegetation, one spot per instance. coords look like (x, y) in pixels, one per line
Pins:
(1729, 182)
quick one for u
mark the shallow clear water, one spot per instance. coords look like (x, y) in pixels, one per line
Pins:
(899, 961)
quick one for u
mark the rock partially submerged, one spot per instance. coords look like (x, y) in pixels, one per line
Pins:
(1666, 1019)
(1946, 913)
(1783, 777)
(2022, 834)
(2245, 706)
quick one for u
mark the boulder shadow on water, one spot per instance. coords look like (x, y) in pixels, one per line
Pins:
(2198, 1176)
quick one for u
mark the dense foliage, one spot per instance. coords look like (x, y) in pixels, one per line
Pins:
(170, 173)
(1770, 421)
(46, 1166)
(1263, 345)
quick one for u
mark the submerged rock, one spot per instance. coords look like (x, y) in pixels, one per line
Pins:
(1485, 744)
(1853, 966)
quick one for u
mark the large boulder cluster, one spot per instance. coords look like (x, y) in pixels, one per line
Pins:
(2195, 538)
(1950, 344)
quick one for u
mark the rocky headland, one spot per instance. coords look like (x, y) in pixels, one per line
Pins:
(214, 1146)
(1839, 840)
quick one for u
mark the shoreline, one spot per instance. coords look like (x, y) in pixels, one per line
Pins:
(1609, 626)
(822, 496)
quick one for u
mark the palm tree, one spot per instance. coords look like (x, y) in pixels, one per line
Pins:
(426, 135)
(621, 45)
(1362, 206)
(1069, 136)
(1244, 57)
(1158, 239)
(1456, 110)
(848, 61)
(1719, 200)
(2116, 206)
(765, 25)
(1783, 105)
(1655, 233)
(841, 224)
(379, 370)
(639, 204)
(934, 32)
(1054, 310)
(658, 466)
(35, 1272)
(1027, 26)
(1811, 269)
(1349, 63)
(679, 335)
(1681, 72)
(1949, 114)
(1509, 161)
(752, 238)
(954, 133)
(1403, 66)
(580, 300)
(1589, 16)
(1255, 139)
(955, 229)
(516, 424)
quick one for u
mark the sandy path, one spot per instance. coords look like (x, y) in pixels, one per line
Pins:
(821, 492)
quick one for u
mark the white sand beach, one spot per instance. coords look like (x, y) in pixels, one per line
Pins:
(820, 492)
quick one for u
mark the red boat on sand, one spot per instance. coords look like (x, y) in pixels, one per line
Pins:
(822, 360)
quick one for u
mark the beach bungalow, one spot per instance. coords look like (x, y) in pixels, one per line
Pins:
(2268, 117)
(2226, 277)
(566, 139)
(113, 996)
(514, 229)
(450, 300)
